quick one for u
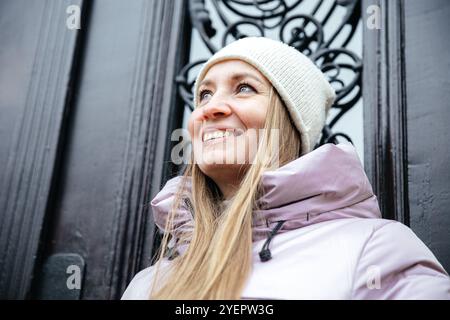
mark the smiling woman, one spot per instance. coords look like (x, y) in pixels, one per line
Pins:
(232, 107)
(260, 109)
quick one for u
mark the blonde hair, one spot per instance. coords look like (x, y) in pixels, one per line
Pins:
(218, 259)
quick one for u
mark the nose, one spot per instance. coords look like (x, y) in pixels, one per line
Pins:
(215, 110)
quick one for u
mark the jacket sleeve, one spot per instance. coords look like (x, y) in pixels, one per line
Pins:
(396, 264)
(139, 287)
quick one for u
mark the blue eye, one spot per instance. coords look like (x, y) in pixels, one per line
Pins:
(201, 94)
(244, 85)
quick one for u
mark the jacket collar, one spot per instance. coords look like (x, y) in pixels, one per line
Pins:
(325, 184)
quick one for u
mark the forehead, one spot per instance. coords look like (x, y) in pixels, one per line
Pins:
(229, 68)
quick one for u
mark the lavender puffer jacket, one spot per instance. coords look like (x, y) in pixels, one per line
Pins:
(328, 238)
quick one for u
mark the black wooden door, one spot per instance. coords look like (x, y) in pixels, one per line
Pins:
(85, 122)
(407, 116)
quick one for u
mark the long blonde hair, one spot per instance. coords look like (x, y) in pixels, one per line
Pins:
(218, 259)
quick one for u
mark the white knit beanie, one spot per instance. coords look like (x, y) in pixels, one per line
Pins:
(301, 85)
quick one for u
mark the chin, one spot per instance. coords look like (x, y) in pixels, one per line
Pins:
(212, 168)
(222, 159)
(222, 170)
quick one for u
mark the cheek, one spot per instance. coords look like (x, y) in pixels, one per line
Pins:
(253, 114)
(254, 118)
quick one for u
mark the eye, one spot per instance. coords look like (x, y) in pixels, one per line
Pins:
(245, 85)
(201, 94)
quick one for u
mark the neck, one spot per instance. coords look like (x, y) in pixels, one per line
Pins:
(228, 189)
(229, 181)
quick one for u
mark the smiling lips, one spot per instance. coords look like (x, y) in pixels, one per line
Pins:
(216, 134)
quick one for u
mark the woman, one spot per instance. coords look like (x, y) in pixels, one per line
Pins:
(260, 214)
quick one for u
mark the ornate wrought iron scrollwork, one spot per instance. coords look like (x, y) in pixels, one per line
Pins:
(304, 31)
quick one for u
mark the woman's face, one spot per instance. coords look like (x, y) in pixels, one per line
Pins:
(232, 102)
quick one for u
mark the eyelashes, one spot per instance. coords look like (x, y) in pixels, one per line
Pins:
(239, 86)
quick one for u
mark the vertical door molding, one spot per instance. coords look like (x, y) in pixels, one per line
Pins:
(155, 111)
(384, 95)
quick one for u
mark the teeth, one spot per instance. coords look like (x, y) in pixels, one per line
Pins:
(215, 135)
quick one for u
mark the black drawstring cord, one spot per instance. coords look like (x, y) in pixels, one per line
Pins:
(265, 254)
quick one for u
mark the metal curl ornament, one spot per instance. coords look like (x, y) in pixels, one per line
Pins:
(304, 31)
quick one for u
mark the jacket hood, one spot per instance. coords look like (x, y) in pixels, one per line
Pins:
(325, 184)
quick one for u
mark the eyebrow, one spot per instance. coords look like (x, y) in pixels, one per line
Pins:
(236, 76)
